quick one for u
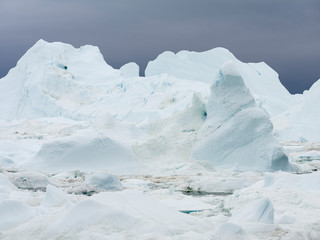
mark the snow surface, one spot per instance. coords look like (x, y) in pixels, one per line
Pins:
(92, 152)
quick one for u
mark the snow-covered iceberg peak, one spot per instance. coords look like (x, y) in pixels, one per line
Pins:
(85, 59)
(237, 133)
(53, 79)
(229, 95)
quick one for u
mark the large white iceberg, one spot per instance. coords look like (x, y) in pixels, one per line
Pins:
(120, 120)
(237, 133)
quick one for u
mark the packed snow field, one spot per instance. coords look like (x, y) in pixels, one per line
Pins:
(203, 147)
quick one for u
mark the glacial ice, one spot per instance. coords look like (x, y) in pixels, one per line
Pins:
(115, 211)
(54, 197)
(126, 120)
(259, 211)
(237, 132)
(29, 180)
(104, 181)
(69, 122)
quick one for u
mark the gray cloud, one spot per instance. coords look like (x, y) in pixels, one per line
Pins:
(285, 34)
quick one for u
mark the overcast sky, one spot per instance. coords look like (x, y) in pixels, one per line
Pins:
(283, 33)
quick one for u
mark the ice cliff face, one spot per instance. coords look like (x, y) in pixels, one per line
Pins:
(64, 100)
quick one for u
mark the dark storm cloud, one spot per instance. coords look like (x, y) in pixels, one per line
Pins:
(285, 34)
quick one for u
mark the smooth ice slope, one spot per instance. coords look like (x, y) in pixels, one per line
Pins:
(259, 211)
(262, 81)
(237, 133)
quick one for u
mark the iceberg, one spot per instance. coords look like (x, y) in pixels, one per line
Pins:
(237, 133)
(259, 211)
(118, 120)
(88, 151)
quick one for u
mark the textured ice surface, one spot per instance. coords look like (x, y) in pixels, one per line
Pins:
(104, 181)
(29, 180)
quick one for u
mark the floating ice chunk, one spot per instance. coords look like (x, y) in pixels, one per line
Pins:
(229, 231)
(104, 181)
(30, 180)
(286, 219)
(54, 197)
(13, 213)
(6, 185)
(259, 211)
(129, 211)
